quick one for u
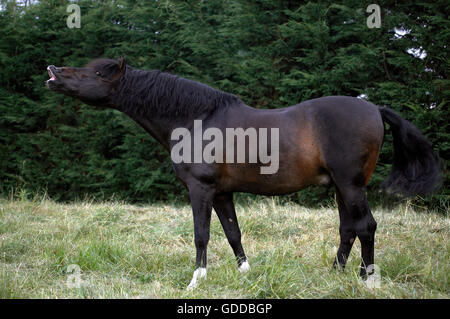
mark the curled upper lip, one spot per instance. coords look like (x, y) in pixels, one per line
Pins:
(51, 69)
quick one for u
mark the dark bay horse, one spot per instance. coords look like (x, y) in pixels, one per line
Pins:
(333, 140)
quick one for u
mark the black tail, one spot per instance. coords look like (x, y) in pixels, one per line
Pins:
(416, 169)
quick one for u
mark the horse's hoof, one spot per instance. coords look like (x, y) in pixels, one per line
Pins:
(199, 273)
(244, 267)
(371, 281)
(371, 277)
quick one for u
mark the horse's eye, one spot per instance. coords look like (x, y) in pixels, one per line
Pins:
(98, 73)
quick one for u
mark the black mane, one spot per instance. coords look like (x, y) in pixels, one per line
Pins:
(148, 93)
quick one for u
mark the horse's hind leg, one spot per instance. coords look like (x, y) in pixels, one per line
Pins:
(346, 231)
(224, 207)
(364, 225)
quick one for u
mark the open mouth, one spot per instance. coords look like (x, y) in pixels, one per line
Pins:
(50, 74)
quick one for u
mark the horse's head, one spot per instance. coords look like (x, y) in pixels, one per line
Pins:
(92, 84)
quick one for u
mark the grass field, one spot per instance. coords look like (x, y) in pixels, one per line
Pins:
(126, 251)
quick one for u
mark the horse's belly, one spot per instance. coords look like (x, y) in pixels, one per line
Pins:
(288, 179)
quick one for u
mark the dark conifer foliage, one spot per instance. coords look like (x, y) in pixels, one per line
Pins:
(269, 54)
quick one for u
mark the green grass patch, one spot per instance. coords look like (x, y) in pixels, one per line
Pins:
(129, 251)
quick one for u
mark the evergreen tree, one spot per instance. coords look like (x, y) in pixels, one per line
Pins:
(271, 54)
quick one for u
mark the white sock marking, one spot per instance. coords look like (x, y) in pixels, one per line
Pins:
(198, 274)
(244, 267)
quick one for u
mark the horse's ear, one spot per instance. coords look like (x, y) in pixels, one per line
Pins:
(122, 67)
(122, 64)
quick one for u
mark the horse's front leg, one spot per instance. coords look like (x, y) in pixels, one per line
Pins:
(201, 197)
(224, 206)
